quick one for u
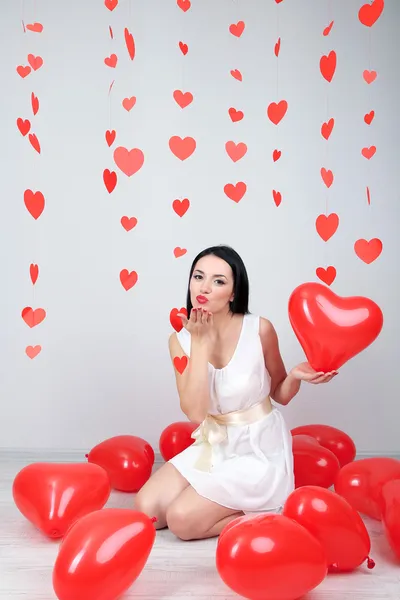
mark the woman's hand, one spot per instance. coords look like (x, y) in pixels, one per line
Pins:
(200, 325)
(305, 372)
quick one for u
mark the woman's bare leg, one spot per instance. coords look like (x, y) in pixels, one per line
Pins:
(159, 492)
(192, 517)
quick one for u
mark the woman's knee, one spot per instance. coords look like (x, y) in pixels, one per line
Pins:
(181, 521)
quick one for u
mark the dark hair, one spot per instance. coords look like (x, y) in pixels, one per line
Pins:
(240, 302)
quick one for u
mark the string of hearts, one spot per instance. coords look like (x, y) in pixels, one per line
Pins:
(34, 201)
(326, 225)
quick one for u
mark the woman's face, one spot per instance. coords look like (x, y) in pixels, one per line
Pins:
(211, 284)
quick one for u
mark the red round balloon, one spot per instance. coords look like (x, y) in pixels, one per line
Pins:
(390, 507)
(312, 463)
(332, 329)
(335, 524)
(128, 460)
(335, 440)
(103, 554)
(268, 557)
(175, 438)
(53, 496)
(361, 483)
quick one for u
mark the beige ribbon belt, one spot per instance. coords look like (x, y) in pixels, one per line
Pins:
(213, 430)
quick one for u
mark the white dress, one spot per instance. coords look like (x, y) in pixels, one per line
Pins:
(252, 469)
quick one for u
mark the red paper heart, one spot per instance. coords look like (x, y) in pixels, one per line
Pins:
(183, 99)
(327, 225)
(33, 351)
(184, 48)
(103, 554)
(181, 206)
(182, 148)
(54, 496)
(128, 223)
(276, 155)
(176, 321)
(129, 103)
(180, 363)
(35, 103)
(110, 4)
(128, 279)
(130, 43)
(34, 273)
(327, 275)
(277, 196)
(110, 180)
(327, 177)
(235, 192)
(277, 47)
(368, 251)
(35, 27)
(235, 115)
(326, 128)
(327, 29)
(369, 76)
(237, 29)
(34, 142)
(368, 153)
(33, 317)
(24, 126)
(332, 329)
(368, 118)
(111, 61)
(328, 65)
(178, 252)
(276, 112)
(35, 61)
(23, 71)
(236, 74)
(235, 151)
(129, 161)
(34, 203)
(110, 137)
(184, 4)
(370, 13)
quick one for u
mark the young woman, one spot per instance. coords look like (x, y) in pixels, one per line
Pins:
(241, 461)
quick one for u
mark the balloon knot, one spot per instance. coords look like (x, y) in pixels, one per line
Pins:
(86, 455)
(370, 563)
(154, 519)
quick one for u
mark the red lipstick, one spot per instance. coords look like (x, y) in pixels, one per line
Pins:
(202, 299)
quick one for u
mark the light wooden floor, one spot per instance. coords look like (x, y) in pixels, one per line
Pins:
(175, 569)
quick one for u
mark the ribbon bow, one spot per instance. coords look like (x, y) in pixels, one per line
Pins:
(208, 433)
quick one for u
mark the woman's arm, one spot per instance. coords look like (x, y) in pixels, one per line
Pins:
(284, 386)
(192, 384)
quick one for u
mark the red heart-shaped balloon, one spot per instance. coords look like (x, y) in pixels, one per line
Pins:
(332, 329)
(128, 460)
(335, 524)
(175, 438)
(312, 463)
(268, 557)
(335, 440)
(103, 554)
(53, 496)
(390, 507)
(361, 483)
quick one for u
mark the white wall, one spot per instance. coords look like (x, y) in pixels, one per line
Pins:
(104, 368)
